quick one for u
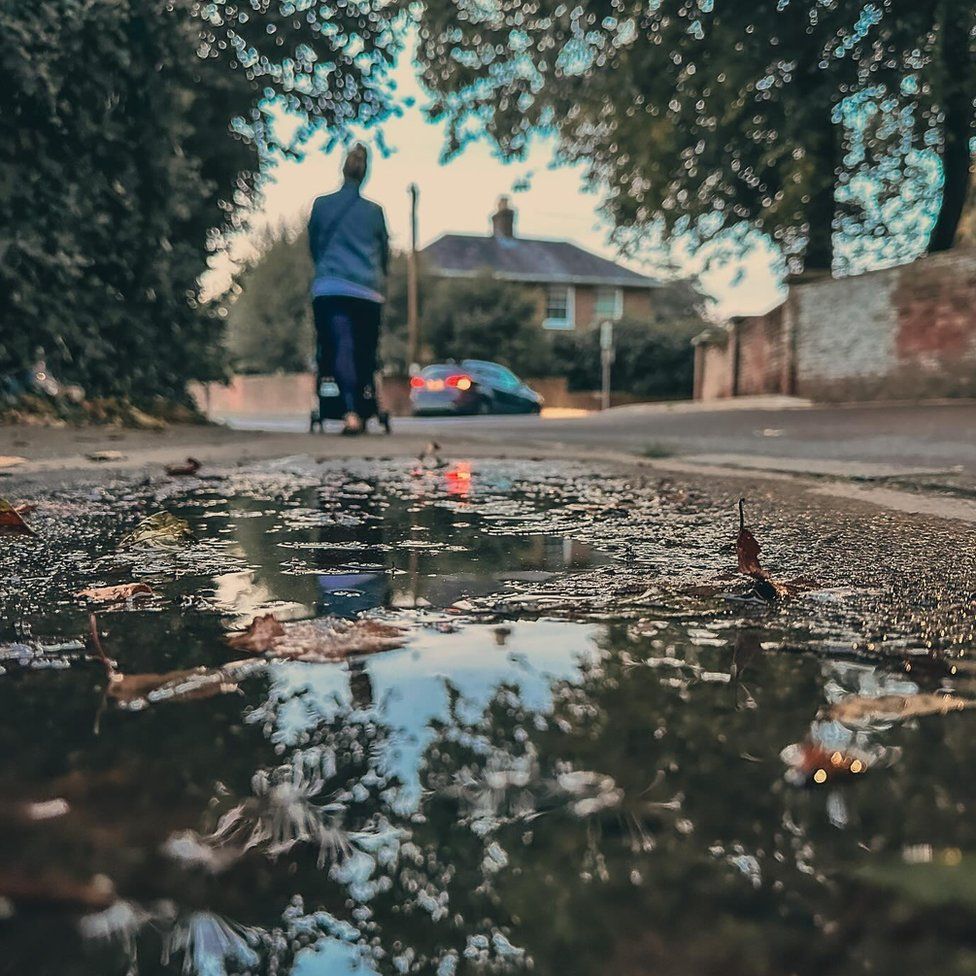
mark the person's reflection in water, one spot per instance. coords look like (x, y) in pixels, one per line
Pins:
(348, 592)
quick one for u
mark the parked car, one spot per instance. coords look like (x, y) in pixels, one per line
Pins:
(471, 386)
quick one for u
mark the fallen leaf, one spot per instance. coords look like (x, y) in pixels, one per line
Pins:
(747, 550)
(161, 529)
(57, 890)
(856, 709)
(259, 635)
(25, 508)
(109, 594)
(11, 461)
(326, 639)
(185, 470)
(100, 456)
(136, 691)
(11, 521)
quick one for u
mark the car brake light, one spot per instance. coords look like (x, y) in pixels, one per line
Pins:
(460, 381)
(417, 382)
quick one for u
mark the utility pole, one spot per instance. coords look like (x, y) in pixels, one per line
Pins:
(606, 361)
(413, 318)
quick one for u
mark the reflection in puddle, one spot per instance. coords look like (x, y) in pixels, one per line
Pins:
(596, 790)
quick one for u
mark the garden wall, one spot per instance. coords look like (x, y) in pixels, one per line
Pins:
(900, 332)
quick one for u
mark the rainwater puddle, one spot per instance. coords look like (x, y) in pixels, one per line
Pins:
(568, 767)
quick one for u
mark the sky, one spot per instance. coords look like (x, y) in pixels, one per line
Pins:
(459, 195)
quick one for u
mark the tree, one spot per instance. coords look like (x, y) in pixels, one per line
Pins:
(484, 318)
(654, 360)
(715, 118)
(269, 324)
(132, 134)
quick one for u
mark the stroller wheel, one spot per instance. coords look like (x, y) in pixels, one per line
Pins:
(313, 419)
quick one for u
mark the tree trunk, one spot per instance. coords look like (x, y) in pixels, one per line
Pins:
(958, 76)
(819, 255)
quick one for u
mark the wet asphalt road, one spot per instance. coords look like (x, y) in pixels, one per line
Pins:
(937, 437)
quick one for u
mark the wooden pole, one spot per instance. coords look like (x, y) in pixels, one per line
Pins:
(413, 318)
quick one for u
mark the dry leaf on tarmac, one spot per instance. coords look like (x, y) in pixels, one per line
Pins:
(747, 550)
(327, 639)
(855, 709)
(11, 520)
(161, 529)
(100, 456)
(11, 461)
(186, 469)
(111, 594)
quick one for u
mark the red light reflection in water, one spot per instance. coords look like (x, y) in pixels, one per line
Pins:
(458, 478)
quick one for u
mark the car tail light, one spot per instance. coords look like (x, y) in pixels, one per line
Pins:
(417, 382)
(460, 381)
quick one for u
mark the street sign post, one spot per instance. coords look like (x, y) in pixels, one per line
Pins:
(606, 361)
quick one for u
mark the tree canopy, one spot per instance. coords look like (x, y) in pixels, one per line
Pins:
(131, 139)
(799, 118)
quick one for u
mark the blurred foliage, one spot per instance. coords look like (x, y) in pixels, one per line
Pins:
(269, 323)
(131, 137)
(717, 119)
(651, 360)
(484, 318)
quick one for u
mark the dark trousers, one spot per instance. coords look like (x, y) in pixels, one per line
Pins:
(347, 332)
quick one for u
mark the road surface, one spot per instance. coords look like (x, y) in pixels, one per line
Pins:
(869, 439)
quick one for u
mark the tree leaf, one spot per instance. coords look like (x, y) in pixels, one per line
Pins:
(161, 529)
(185, 470)
(111, 594)
(857, 709)
(326, 639)
(11, 521)
(747, 550)
(746, 547)
(259, 635)
(100, 456)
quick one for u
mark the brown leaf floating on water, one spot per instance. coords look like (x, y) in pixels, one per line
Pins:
(161, 529)
(326, 639)
(12, 521)
(186, 469)
(135, 691)
(747, 550)
(111, 594)
(55, 890)
(259, 635)
(856, 709)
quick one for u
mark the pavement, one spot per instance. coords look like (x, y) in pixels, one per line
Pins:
(909, 457)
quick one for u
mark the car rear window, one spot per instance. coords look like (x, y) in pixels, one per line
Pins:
(439, 372)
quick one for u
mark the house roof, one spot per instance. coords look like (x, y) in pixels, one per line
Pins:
(526, 259)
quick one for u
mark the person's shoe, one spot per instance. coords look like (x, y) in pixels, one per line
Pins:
(352, 425)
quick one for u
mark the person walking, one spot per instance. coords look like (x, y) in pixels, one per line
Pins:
(350, 249)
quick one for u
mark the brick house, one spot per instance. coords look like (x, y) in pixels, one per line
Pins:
(574, 288)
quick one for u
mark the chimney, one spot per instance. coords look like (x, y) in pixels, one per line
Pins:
(503, 219)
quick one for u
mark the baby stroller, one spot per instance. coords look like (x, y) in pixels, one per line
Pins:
(329, 404)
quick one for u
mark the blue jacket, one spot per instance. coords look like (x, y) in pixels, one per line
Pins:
(349, 243)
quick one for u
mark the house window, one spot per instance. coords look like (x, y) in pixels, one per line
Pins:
(609, 304)
(560, 310)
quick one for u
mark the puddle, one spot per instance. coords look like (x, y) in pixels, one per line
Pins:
(576, 763)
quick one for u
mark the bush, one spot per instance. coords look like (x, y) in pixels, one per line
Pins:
(654, 360)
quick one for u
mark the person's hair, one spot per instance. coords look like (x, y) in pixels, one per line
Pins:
(356, 163)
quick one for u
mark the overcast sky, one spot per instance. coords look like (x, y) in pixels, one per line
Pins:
(461, 194)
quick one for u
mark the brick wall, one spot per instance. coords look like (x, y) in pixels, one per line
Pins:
(900, 332)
